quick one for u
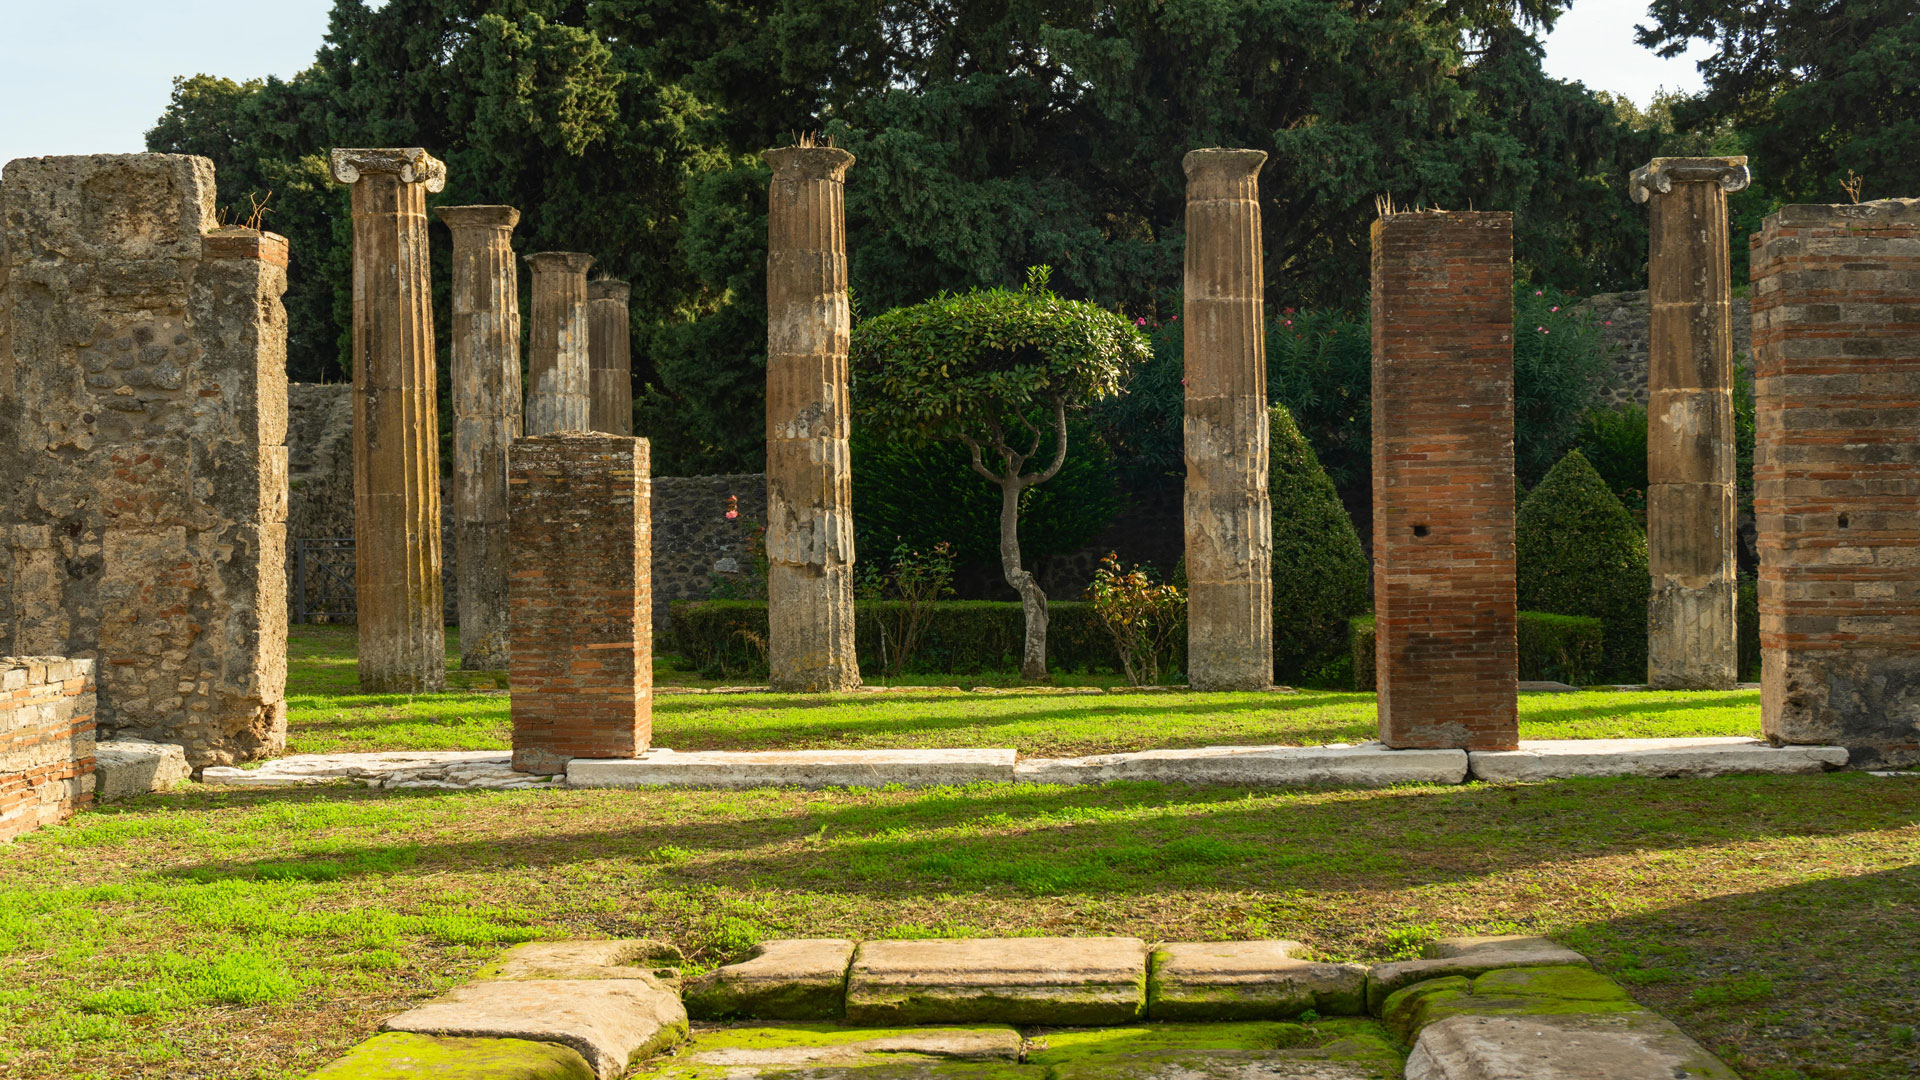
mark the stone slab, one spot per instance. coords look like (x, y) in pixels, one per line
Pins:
(622, 958)
(792, 979)
(1446, 948)
(1078, 981)
(398, 1055)
(452, 769)
(774, 1049)
(794, 768)
(1546, 686)
(610, 1022)
(1249, 980)
(1636, 1045)
(1559, 759)
(126, 767)
(1366, 765)
(1384, 979)
(1324, 1050)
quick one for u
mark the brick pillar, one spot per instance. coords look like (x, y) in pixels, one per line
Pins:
(396, 436)
(809, 481)
(610, 352)
(486, 420)
(1443, 578)
(1836, 334)
(46, 741)
(581, 599)
(1691, 510)
(1229, 520)
(557, 369)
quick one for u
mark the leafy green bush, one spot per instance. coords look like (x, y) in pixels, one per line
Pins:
(1580, 553)
(1320, 571)
(1553, 648)
(1614, 442)
(1560, 368)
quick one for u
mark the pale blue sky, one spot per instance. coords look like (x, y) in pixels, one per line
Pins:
(91, 76)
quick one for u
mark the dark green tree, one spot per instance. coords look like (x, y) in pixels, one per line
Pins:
(1320, 573)
(1580, 553)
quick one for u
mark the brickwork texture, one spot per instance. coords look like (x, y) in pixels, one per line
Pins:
(46, 741)
(579, 596)
(1444, 605)
(1836, 327)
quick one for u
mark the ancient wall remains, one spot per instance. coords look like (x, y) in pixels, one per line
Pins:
(1622, 318)
(578, 596)
(1836, 314)
(143, 412)
(46, 741)
(1444, 603)
(696, 547)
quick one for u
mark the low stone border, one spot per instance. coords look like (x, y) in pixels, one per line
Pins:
(1558, 759)
(444, 769)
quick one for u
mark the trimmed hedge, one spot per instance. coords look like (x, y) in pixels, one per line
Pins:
(1320, 572)
(1579, 552)
(1553, 648)
(726, 638)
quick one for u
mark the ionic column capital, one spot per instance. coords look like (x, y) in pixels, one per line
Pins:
(411, 164)
(609, 289)
(1660, 174)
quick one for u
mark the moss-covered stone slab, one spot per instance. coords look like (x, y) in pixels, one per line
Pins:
(825, 1051)
(1569, 983)
(1402, 1009)
(1248, 980)
(1325, 1054)
(1384, 979)
(396, 1055)
(610, 1022)
(1536, 991)
(1577, 1046)
(1448, 948)
(790, 979)
(629, 958)
(1058, 1047)
(1066, 981)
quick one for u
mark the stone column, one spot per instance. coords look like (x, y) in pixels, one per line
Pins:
(1229, 521)
(396, 452)
(1836, 476)
(486, 420)
(1446, 652)
(610, 349)
(557, 368)
(1691, 510)
(809, 482)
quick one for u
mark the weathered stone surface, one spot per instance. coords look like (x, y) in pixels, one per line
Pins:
(1558, 759)
(797, 979)
(809, 541)
(396, 491)
(1234, 1065)
(126, 767)
(1621, 320)
(1003, 980)
(448, 769)
(623, 958)
(46, 741)
(695, 543)
(581, 618)
(1446, 948)
(558, 365)
(609, 357)
(1385, 979)
(1229, 519)
(1836, 312)
(486, 420)
(1534, 991)
(1691, 532)
(775, 1049)
(399, 1055)
(610, 1022)
(1618, 1046)
(143, 416)
(1248, 980)
(1366, 765)
(799, 768)
(1325, 1050)
(1444, 594)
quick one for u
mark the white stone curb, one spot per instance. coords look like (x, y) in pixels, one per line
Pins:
(448, 769)
(795, 768)
(1365, 765)
(1560, 759)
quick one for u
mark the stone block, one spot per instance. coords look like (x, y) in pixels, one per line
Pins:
(1581, 1046)
(46, 741)
(1249, 980)
(1447, 948)
(128, 767)
(1069, 981)
(797, 768)
(1559, 759)
(797, 979)
(399, 1055)
(610, 1022)
(626, 958)
(823, 1051)
(1366, 765)
(1383, 980)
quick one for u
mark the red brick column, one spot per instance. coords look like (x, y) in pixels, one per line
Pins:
(579, 597)
(46, 741)
(1443, 480)
(1836, 336)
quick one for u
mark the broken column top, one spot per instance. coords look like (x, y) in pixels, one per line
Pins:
(1660, 174)
(1878, 214)
(1222, 163)
(809, 163)
(609, 289)
(410, 163)
(562, 262)
(478, 217)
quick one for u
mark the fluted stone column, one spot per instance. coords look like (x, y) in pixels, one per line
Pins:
(557, 368)
(486, 420)
(1691, 509)
(610, 357)
(396, 443)
(1229, 520)
(809, 482)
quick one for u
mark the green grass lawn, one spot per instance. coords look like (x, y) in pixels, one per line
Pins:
(256, 934)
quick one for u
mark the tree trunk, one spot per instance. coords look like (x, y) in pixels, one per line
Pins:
(1033, 664)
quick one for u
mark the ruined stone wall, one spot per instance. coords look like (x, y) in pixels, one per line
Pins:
(695, 544)
(320, 459)
(46, 741)
(1622, 319)
(143, 411)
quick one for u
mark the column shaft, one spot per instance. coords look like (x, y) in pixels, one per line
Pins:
(610, 349)
(557, 365)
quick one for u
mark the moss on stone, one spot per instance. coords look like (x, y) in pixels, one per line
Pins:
(1401, 1009)
(396, 1055)
(1101, 1003)
(1333, 1040)
(713, 998)
(1572, 983)
(1528, 991)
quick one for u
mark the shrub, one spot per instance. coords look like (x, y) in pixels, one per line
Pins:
(1560, 367)
(1747, 626)
(1320, 572)
(1580, 553)
(1143, 616)
(1556, 648)
(915, 580)
(1614, 442)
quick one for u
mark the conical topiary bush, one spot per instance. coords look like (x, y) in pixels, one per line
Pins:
(1580, 553)
(1319, 569)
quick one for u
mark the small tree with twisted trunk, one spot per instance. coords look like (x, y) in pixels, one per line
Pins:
(995, 370)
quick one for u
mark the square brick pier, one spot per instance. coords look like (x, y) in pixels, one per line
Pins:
(46, 741)
(579, 599)
(1444, 607)
(1836, 335)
